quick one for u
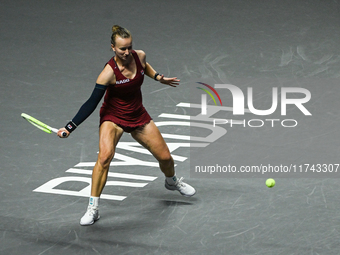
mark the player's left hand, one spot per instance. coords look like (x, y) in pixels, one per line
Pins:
(173, 82)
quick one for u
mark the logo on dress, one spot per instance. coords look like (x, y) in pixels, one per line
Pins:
(122, 81)
(142, 72)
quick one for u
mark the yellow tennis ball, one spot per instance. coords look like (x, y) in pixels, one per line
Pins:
(270, 183)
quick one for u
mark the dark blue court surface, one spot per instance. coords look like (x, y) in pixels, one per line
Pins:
(53, 51)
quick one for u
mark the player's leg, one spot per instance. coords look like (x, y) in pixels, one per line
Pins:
(109, 135)
(150, 137)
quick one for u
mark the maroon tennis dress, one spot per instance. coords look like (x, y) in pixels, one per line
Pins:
(123, 101)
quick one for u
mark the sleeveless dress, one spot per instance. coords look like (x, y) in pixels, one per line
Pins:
(123, 100)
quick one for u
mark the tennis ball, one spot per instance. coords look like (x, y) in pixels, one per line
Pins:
(270, 183)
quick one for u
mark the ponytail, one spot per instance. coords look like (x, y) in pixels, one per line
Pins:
(119, 31)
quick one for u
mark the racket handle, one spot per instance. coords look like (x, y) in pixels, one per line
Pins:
(54, 130)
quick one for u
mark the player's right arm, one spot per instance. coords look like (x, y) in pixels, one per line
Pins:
(105, 78)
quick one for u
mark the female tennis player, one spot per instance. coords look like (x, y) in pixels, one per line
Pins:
(123, 111)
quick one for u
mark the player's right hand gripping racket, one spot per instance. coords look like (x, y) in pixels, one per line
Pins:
(41, 125)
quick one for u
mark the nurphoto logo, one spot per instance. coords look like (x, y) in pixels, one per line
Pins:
(288, 96)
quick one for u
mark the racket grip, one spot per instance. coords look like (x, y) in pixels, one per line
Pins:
(64, 134)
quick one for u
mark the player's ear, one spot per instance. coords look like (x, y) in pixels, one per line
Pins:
(112, 47)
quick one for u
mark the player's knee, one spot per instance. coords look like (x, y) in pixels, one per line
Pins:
(104, 159)
(166, 159)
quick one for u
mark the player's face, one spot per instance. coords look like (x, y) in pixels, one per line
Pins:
(123, 48)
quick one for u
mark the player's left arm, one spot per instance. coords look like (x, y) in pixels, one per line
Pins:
(149, 71)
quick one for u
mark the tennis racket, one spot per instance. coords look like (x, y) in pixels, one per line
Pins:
(40, 125)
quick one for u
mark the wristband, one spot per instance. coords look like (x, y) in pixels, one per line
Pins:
(70, 126)
(155, 77)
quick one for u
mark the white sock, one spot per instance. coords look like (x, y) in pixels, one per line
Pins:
(171, 180)
(94, 201)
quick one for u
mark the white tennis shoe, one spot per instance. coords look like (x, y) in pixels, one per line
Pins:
(183, 188)
(91, 215)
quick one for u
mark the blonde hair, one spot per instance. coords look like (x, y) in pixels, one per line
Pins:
(119, 31)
